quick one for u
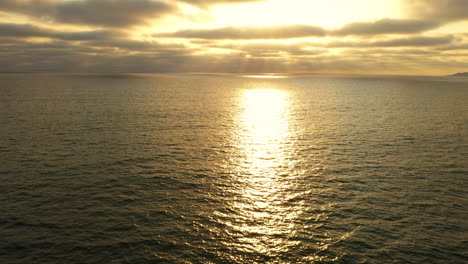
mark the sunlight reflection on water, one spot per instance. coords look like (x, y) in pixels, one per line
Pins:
(265, 138)
(265, 129)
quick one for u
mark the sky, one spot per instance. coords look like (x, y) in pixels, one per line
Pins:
(409, 37)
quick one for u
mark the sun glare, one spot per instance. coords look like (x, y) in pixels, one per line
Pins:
(264, 113)
(266, 76)
(265, 129)
(324, 13)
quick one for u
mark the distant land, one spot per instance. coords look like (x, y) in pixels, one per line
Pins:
(460, 74)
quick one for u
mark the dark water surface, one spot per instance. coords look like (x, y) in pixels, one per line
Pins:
(226, 169)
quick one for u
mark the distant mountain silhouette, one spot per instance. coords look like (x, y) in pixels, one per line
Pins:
(460, 74)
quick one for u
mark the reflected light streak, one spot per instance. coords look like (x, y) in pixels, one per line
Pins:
(265, 172)
(265, 129)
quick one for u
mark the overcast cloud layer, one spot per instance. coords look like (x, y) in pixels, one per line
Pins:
(133, 36)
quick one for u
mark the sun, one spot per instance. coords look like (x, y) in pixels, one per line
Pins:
(324, 13)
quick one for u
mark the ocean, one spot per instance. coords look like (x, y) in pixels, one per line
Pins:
(193, 168)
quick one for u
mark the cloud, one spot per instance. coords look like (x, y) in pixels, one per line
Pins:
(441, 42)
(379, 27)
(413, 42)
(135, 45)
(68, 57)
(21, 30)
(416, 41)
(390, 51)
(107, 13)
(217, 2)
(393, 45)
(93, 56)
(27, 30)
(84, 35)
(441, 10)
(409, 45)
(386, 26)
(271, 49)
(455, 47)
(266, 32)
(102, 41)
(17, 33)
(112, 13)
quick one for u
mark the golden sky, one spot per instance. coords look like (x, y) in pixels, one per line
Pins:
(427, 37)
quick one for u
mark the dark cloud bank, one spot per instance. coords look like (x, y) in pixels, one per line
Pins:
(107, 13)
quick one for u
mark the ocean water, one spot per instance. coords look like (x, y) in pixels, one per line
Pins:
(232, 169)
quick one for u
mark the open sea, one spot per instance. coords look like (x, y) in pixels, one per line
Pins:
(139, 168)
